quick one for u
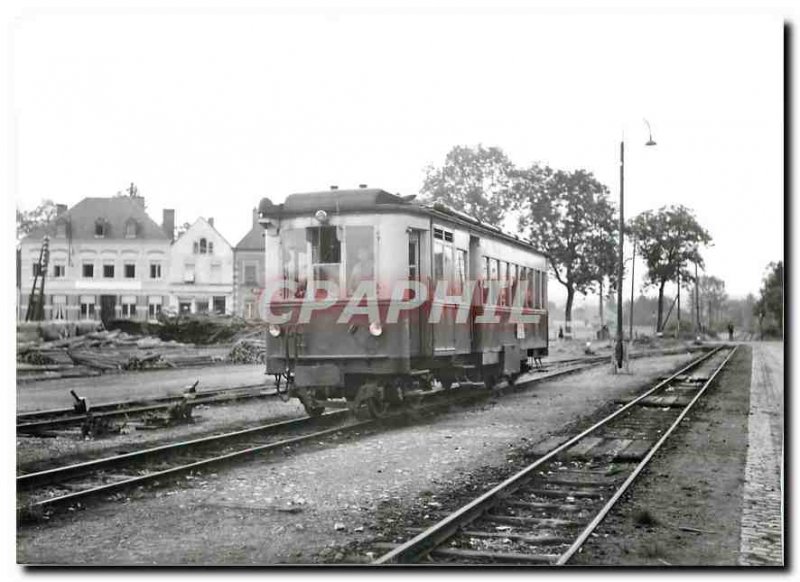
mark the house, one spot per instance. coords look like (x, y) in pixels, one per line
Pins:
(201, 271)
(108, 260)
(248, 271)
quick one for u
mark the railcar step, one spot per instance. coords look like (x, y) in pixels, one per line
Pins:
(471, 385)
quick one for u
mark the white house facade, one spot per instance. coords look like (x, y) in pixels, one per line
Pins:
(108, 260)
(200, 274)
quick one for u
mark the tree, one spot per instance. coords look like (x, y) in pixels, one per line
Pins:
(472, 180)
(713, 299)
(568, 215)
(770, 303)
(28, 220)
(668, 240)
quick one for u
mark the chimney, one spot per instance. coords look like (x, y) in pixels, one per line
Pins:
(168, 225)
(210, 221)
(255, 216)
(60, 209)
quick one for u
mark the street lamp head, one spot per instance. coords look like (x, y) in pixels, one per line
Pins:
(650, 141)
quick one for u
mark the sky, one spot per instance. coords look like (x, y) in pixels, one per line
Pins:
(208, 109)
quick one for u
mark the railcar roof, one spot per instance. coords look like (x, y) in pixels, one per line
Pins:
(366, 199)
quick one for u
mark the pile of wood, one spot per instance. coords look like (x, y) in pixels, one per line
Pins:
(107, 351)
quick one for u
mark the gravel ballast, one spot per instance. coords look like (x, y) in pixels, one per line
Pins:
(315, 505)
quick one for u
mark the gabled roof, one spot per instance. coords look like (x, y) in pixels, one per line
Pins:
(115, 212)
(253, 240)
(202, 221)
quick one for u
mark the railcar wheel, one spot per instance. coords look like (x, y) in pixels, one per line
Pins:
(377, 407)
(313, 410)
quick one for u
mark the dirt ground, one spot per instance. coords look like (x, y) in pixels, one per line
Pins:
(47, 394)
(316, 504)
(686, 508)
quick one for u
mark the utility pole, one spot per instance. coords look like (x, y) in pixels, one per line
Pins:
(696, 299)
(678, 333)
(602, 321)
(633, 267)
(620, 266)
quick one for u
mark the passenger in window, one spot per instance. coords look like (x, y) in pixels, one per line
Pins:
(362, 269)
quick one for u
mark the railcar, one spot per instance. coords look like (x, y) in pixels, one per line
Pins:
(373, 298)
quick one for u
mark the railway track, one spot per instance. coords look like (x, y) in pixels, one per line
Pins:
(544, 513)
(72, 485)
(37, 422)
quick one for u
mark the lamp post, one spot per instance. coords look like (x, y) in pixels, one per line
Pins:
(618, 352)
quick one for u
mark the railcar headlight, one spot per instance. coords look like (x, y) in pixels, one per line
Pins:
(274, 330)
(375, 328)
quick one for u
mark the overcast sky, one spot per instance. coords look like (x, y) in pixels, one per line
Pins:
(209, 110)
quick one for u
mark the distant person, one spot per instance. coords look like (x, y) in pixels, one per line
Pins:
(561, 333)
(730, 332)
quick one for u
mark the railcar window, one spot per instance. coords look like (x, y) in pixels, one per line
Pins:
(461, 271)
(442, 258)
(326, 253)
(544, 289)
(512, 283)
(413, 258)
(531, 290)
(360, 256)
(494, 276)
(294, 258)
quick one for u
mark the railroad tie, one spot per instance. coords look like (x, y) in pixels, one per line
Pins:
(512, 557)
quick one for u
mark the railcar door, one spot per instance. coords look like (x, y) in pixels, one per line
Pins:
(414, 268)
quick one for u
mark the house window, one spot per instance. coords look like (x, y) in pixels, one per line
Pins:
(210, 248)
(184, 307)
(203, 246)
(188, 273)
(128, 306)
(59, 271)
(130, 270)
(195, 247)
(88, 270)
(130, 229)
(87, 306)
(108, 271)
(249, 310)
(37, 270)
(250, 274)
(100, 228)
(201, 306)
(154, 306)
(219, 304)
(59, 306)
(155, 270)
